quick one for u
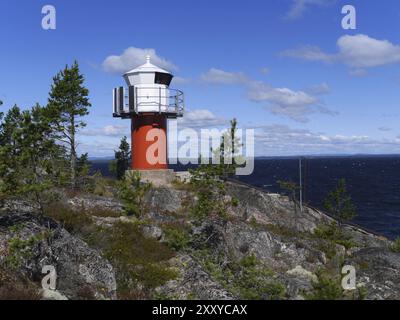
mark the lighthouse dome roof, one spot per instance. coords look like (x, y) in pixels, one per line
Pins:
(148, 67)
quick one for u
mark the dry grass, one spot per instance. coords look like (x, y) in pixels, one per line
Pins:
(19, 292)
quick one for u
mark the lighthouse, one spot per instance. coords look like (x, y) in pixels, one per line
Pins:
(149, 102)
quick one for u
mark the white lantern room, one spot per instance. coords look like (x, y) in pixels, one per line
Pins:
(148, 92)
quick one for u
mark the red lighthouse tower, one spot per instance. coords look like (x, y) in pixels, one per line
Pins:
(149, 103)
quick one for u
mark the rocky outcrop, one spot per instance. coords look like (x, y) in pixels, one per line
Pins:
(91, 202)
(274, 209)
(193, 282)
(28, 243)
(262, 225)
(267, 226)
(378, 270)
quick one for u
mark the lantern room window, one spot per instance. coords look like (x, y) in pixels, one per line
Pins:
(163, 78)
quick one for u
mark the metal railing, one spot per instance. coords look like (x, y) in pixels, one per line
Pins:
(162, 100)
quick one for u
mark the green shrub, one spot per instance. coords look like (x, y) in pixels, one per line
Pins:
(20, 250)
(328, 247)
(327, 287)
(210, 193)
(235, 202)
(100, 185)
(132, 192)
(255, 282)
(333, 233)
(396, 246)
(339, 203)
(246, 279)
(177, 235)
(140, 262)
(361, 293)
(73, 221)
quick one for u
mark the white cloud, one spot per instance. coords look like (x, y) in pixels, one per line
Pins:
(296, 105)
(310, 53)
(320, 89)
(271, 139)
(133, 57)
(361, 51)
(201, 118)
(358, 52)
(217, 76)
(299, 7)
(278, 139)
(107, 131)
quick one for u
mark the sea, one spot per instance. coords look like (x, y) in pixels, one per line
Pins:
(372, 181)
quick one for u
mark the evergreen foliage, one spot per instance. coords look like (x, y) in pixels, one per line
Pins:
(68, 103)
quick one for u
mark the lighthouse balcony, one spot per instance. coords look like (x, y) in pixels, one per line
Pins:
(135, 100)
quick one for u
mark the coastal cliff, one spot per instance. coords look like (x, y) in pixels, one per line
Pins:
(263, 249)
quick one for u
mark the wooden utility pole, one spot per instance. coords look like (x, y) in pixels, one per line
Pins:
(301, 184)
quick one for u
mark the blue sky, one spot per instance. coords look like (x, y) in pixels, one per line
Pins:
(284, 67)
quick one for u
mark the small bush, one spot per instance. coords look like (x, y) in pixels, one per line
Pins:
(140, 262)
(100, 187)
(20, 250)
(396, 246)
(132, 192)
(177, 235)
(246, 279)
(72, 221)
(360, 294)
(255, 282)
(334, 234)
(327, 287)
(328, 247)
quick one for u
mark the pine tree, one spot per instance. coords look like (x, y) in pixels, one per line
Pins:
(83, 165)
(227, 153)
(339, 203)
(68, 103)
(9, 151)
(28, 155)
(122, 159)
(291, 188)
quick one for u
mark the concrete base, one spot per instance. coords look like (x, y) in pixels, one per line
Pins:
(158, 178)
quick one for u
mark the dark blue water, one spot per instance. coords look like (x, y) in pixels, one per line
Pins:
(372, 181)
